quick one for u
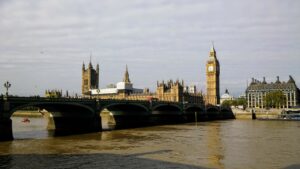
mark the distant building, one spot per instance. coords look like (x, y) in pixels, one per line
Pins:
(120, 90)
(190, 89)
(242, 96)
(226, 96)
(53, 93)
(257, 90)
(90, 79)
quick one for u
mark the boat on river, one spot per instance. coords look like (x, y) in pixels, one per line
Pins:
(286, 115)
(295, 116)
(290, 114)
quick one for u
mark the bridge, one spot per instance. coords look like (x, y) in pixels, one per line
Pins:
(82, 115)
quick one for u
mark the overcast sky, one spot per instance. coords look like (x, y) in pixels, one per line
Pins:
(43, 43)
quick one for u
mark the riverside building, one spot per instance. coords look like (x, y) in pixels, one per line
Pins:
(257, 90)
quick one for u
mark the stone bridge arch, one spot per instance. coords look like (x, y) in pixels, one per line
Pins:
(163, 106)
(212, 112)
(56, 108)
(166, 113)
(63, 117)
(194, 113)
(125, 106)
(124, 115)
(194, 107)
(226, 113)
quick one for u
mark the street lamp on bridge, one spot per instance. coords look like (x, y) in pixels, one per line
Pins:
(7, 85)
(98, 92)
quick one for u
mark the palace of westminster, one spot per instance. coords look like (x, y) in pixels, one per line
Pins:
(173, 91)
(176, 91)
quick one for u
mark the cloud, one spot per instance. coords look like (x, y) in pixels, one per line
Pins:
(158, 39)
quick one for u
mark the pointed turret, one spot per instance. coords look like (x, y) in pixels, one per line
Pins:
(226, 91)
(291, 80)
(90, 64)
(83, 66)
(126, 76)
(90, 77)
(212, 52)
(97, 68)
(264, 80)
(277, 81)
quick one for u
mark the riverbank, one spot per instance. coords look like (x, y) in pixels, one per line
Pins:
(26, 113)
(260, 113)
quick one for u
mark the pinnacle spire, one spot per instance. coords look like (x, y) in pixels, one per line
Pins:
(83, 65)
(291, 79)
(212, 52)
(90, 64)
(277, 81)
(97, 67)
(126, 76)
(212, 48)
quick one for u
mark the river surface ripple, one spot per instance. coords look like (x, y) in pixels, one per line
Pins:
(232, 144)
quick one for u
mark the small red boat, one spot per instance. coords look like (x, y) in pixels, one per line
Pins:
(26, 120)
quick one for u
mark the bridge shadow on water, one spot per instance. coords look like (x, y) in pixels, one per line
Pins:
(294, 166)
(88, 161)
(96, 160)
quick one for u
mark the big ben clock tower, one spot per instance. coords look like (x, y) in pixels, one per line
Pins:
(213, 78)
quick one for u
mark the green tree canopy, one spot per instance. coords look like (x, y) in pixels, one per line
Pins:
(274, 99)
(226, 103)
(236, 102)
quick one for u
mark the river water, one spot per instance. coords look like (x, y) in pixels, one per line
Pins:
(220, 144)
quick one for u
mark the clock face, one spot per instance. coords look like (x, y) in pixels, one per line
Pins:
(210, 68)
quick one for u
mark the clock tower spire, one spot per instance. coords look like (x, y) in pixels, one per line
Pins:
(213, 78)
(212, 52)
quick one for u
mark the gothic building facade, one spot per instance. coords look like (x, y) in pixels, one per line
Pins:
(170, 91)
(257, 90)
(90, 78)
(173, 91)
(213, 78)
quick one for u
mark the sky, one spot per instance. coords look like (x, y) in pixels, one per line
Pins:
(44, 43)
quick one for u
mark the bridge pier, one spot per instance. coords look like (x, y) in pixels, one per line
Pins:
(76, 125)
(166, 117)
(6, 133)
(192, 116)
(130, 121)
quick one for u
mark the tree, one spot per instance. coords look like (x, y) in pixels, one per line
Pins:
(235, 103)
(242, 102)
(226, 103)
(274, 99)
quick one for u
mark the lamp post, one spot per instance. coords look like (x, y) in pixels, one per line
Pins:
(98, 91)
(7, 85)
(98, 102)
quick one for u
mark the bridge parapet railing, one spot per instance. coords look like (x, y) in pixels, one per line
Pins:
(48, 99)
(67, 99)
(139, 101)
